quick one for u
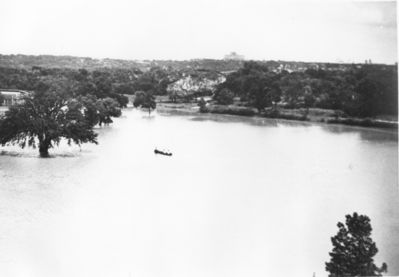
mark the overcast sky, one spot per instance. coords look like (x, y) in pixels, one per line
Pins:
(185, 29)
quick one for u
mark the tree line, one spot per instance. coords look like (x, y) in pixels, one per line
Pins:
(359, 90)
(98, 95)
(105, 82)
(363, 91)
(60, 104)
(68, 103)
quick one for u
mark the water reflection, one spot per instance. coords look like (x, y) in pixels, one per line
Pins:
(369, 134)
(377, 135)
(18, 153)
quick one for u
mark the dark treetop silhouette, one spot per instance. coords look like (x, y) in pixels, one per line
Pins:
(353, 249)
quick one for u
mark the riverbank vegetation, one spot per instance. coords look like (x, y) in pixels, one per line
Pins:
(364, 96)
(145, 100)
(59, 104)
(44, 118)
(353, 94)
(368, 90)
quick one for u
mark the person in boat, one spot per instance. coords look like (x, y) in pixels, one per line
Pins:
(156, 151)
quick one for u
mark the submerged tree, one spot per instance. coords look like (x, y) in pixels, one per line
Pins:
(353, 249)
(145, 100)
(122, 100)
(107, 108)
(43, 119)
(99, 111)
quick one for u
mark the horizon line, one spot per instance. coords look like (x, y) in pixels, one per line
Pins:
(203, 58)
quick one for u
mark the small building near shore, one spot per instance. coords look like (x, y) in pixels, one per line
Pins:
(11, 96)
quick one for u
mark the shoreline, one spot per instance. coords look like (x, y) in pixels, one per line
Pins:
(313, 115)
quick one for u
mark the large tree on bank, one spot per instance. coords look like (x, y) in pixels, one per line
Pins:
(353, 249)
(43, 119)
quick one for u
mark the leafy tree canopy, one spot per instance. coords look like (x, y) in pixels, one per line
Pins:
(145, 100)
(353, 249)
(224, 96)
(99, 111)
(43, 119)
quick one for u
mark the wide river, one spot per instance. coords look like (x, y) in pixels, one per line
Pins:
(239, 197)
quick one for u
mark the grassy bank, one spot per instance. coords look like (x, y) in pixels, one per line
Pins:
(367, 122)
(311, 114)
(230, 109)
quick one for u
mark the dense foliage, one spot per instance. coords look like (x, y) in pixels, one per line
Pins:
(358, 90)
(61, 103)
(353, 249)
(99, 83)
(366, 90)
(145, 100)
(99, 111)
(43, 119)
(223, 96)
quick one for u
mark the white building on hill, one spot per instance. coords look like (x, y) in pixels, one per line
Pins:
(234, 56)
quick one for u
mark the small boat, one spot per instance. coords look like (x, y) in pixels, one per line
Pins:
(156, 151)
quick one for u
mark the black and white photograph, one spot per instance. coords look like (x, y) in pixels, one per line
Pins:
(198, 138)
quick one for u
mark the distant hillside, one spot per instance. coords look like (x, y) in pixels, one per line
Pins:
(48, 61)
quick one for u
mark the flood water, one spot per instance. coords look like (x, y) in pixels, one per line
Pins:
(239, 197)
